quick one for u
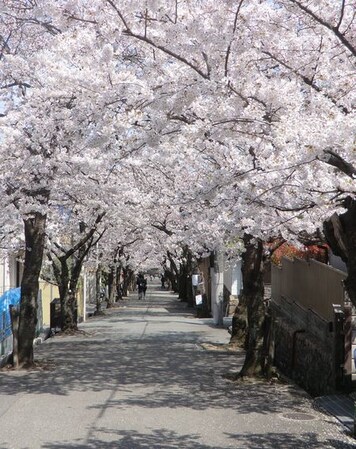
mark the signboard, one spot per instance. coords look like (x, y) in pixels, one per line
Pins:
(195, 280)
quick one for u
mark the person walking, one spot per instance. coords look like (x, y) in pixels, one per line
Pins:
(141, 286)
(163, 280)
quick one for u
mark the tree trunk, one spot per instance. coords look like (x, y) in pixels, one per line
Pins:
(340, 233)
(173, 273)
(67, 269)
(35, 228)
(253, 293)
(67, 286)
(112, 286)
(98, 296)
(239, 324)
(69, 312)
(125, 281)
(128, 282)
(187, 267)
(119, 284)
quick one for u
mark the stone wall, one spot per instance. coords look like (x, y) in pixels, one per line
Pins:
(304, 347)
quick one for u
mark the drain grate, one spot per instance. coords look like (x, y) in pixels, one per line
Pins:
(296, 416)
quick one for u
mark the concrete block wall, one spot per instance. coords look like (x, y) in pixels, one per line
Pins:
(304, 348)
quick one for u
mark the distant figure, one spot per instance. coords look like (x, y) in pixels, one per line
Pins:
(163, 280)
(141, 286)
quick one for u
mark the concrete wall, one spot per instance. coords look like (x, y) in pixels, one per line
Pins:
(312, 284)
(310, 344)
(222, 284)
(233, 277)
(48, 293)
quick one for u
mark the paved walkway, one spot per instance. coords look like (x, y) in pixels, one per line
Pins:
(148, 375)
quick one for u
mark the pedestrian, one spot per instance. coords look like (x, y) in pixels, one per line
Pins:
(163, 280)
(144, 287)
(141, 286)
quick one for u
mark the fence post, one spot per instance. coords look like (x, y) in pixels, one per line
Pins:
(341, 336)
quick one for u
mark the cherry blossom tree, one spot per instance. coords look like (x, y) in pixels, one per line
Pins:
(246, 112)
(61, 134)
(264, 91)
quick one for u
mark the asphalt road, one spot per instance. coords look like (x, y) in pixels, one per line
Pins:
(148, 375)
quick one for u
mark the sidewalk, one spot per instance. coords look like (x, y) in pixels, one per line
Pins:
(341, 406)
(148, 375)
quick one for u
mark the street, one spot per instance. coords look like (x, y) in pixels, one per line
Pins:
(147, 375)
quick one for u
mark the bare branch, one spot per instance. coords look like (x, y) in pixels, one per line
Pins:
(208, 67)
(5, 46)
(168, 52)
(243, 98)
(180, 118)
(334, 29)
(15, 83)
(337, 161)
(341, 14)
(175, 20)
(119, 13)
(307, 81)
(85, 239)
(153, 44)
(228, 50)
(79, 19)
(163, 228)
(52, 29)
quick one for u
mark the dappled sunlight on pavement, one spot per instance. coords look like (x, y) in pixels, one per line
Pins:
(149, 374)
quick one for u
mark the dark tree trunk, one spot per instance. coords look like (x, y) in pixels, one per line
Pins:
(119, 292)
(67, 281)
(67, 287)
(239, 324)
(35, 228)
(124, 282)
(253, 293)
(69, 323)
(98, 296)
(67, 268)
(128, 280)
(340, 233)
(112, 286)
(131, 280)
(173, 273)
(253, 271)
(187, 267)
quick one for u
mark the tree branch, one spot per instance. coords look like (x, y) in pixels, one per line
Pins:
(341, 14)
(334, 29)
(83, 241)
(163, 228)
(309, 82)
(15, 83)
(337, 161)
(153, 44)
(228, 50)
